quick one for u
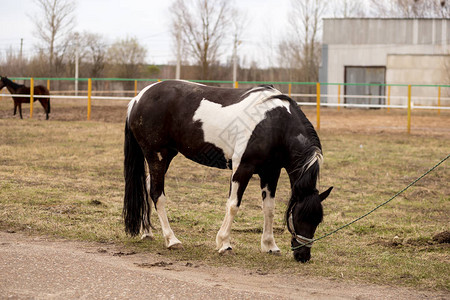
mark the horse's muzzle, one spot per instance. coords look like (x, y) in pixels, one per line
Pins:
(302, 255)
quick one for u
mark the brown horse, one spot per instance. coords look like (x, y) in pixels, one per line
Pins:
(20, 89)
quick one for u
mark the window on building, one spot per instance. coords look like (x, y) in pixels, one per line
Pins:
(372, 76)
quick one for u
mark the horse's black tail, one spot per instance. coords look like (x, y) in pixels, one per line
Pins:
(136, 207)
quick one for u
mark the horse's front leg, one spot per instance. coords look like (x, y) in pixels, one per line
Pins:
(20, 110)
(268, 244)
(269, 182)
(239, 181)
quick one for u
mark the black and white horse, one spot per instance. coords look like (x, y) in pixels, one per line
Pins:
(255, 131)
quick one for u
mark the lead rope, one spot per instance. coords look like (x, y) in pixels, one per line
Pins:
(368, 213)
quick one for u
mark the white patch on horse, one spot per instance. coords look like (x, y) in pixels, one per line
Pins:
(186, 81)
(223, 241)
(159, 156)
(169, 237)
(229, 128)
(147, 233)
(267, 240)
(147, 230)
(138, 97)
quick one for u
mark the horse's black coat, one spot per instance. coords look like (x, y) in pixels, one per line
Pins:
(212, 156)
(21, 89)
(161, 123)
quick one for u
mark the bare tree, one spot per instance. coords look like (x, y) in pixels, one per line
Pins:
(239, 22)
(348, 9)
(411, 8)
(126, 57)
(74, 43)
(267, 48)
(13, 64)
(54, 21)
(302, 47)
(95, 53)
(202, 26)
(91, 49)
(444, 9)
(38, 65)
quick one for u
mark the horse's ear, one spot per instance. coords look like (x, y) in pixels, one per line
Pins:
(325, 194)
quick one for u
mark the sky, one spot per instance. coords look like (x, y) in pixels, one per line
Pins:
(146, 20)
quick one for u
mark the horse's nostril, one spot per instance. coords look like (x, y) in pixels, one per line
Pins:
(301, 257)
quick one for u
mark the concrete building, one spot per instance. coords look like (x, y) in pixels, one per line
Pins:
(392, 51)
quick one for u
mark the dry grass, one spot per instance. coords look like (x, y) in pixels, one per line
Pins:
(64, 178)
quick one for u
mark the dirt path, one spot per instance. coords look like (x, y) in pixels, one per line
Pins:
(42, 268)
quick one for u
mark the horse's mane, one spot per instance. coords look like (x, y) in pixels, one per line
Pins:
(308, 157)
(307, 162)
(11, 83)
(304, 190)
(259, 88)
(283, 97)
(304, 193)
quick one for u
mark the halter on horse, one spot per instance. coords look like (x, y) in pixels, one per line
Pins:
(255, 131)
(20, 89)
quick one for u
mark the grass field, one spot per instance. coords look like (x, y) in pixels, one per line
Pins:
(64, 177)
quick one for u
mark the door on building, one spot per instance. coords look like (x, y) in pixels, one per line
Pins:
(373, 76)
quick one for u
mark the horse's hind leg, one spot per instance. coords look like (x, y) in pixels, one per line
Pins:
(20, 110)
(146, 228)
(44, 103)
(158, 163)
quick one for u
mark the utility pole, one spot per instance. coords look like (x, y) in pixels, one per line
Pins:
(177, 71)
(21, 50)
(236, 43)
(76, 62)
(21, 55)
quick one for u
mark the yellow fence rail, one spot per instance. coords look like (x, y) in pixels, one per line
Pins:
(89, 99)
(318, 103)
(409, 109)
(31, 97)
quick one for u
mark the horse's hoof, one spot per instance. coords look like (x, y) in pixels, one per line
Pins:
(177, 246)
(226, 252)
(275, 252)
(147, 237)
